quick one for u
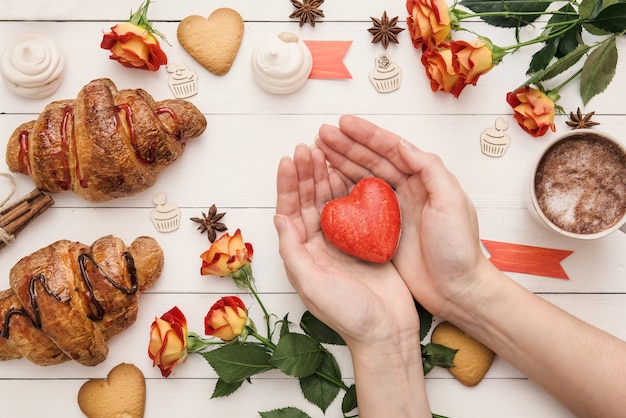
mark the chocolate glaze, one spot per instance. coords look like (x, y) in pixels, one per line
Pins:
(83, 259)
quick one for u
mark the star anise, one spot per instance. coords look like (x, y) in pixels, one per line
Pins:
(385, 30)
(580, 121)
(307, 11)
(210, 223)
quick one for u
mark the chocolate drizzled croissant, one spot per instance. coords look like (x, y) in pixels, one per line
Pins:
(67, 299)
(105, 144)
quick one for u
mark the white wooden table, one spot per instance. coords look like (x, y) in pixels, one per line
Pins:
(233, 165)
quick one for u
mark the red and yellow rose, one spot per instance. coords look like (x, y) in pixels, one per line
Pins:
(428, 22)
(133, 43)
(440, 72)
(226, 319)
(471, 59)
(533, 110)
(168, 341)
(227, 255)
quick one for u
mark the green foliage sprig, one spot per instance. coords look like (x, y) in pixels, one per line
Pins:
(578, 35)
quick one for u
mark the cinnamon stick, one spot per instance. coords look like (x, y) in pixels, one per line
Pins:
(16, 216)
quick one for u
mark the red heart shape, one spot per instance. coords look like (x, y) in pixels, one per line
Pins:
(366, 223)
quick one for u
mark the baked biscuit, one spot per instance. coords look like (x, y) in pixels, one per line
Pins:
(213, 42)
(121, 394)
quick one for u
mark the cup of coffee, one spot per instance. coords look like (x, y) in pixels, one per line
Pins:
(578, 185)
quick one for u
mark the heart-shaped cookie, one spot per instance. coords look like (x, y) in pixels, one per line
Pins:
(473, 359)
(213, 42)
(366, 223)
(121, 394)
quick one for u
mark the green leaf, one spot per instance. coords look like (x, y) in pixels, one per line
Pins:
(316, 389)
(568, 41)
(297, 355)
(319, 330)
(559, 66)
(284, 326)
(610, 19)
(426, 319)
(288, 412)
(542, 58)
(598, 70)
(437, 355)
(349, 400)
(223, 388)
(536, 8)
(236, 362)
(586, 10)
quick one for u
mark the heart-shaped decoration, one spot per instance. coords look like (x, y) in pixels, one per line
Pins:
(213, 42)
(366, 223)
(121, 394)
(472, 360)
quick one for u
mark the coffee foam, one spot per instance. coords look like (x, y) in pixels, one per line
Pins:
(581, 184)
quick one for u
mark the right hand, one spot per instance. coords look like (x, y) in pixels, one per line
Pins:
(439, 254)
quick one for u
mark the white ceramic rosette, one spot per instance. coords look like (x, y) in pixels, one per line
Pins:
(281, 64)
(33, 66)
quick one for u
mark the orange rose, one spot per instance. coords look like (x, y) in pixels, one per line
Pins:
(534, 110)
(168, 341)
(471, 59)
(226, 255)
(226, 319)
(438, 65)
(428, 22)
(133, 43)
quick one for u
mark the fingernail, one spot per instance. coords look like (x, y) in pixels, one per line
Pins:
(279, 222)
(408, 145)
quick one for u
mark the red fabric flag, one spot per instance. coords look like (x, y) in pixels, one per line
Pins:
(328, 59)
(516, 258)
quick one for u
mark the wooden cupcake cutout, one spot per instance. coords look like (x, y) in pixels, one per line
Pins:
(493, 141)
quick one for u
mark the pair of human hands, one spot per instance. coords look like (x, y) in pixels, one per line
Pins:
(438, 257)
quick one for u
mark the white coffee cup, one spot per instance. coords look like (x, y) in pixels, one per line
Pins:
(560, 199)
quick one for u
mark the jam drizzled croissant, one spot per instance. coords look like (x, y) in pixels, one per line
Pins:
(67, 299)
(104, 144)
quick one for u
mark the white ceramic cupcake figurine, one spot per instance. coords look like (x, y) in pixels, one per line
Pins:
(183, 80)
(494, 141)
(166, 216)
(386, 75)
(33, 66)
(281, 64)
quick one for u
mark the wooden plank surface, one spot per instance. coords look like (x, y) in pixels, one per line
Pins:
(233, 165)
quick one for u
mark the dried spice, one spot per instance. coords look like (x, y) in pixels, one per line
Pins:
(307, 11)
(385, 30)
(210, 223)
(15, 217)
(580, 121)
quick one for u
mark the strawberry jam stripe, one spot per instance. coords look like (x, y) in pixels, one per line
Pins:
(82, 262)
(177, 134)
(68, 114)
(23, 158)
(128, 112)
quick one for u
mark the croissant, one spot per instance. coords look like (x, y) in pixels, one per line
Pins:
(67, 299)
(105, 144)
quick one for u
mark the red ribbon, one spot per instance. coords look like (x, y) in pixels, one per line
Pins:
(328, 59)
(516, 258)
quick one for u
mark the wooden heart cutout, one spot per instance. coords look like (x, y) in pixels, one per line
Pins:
(366, 223)
(121, 394)
(213, 42)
